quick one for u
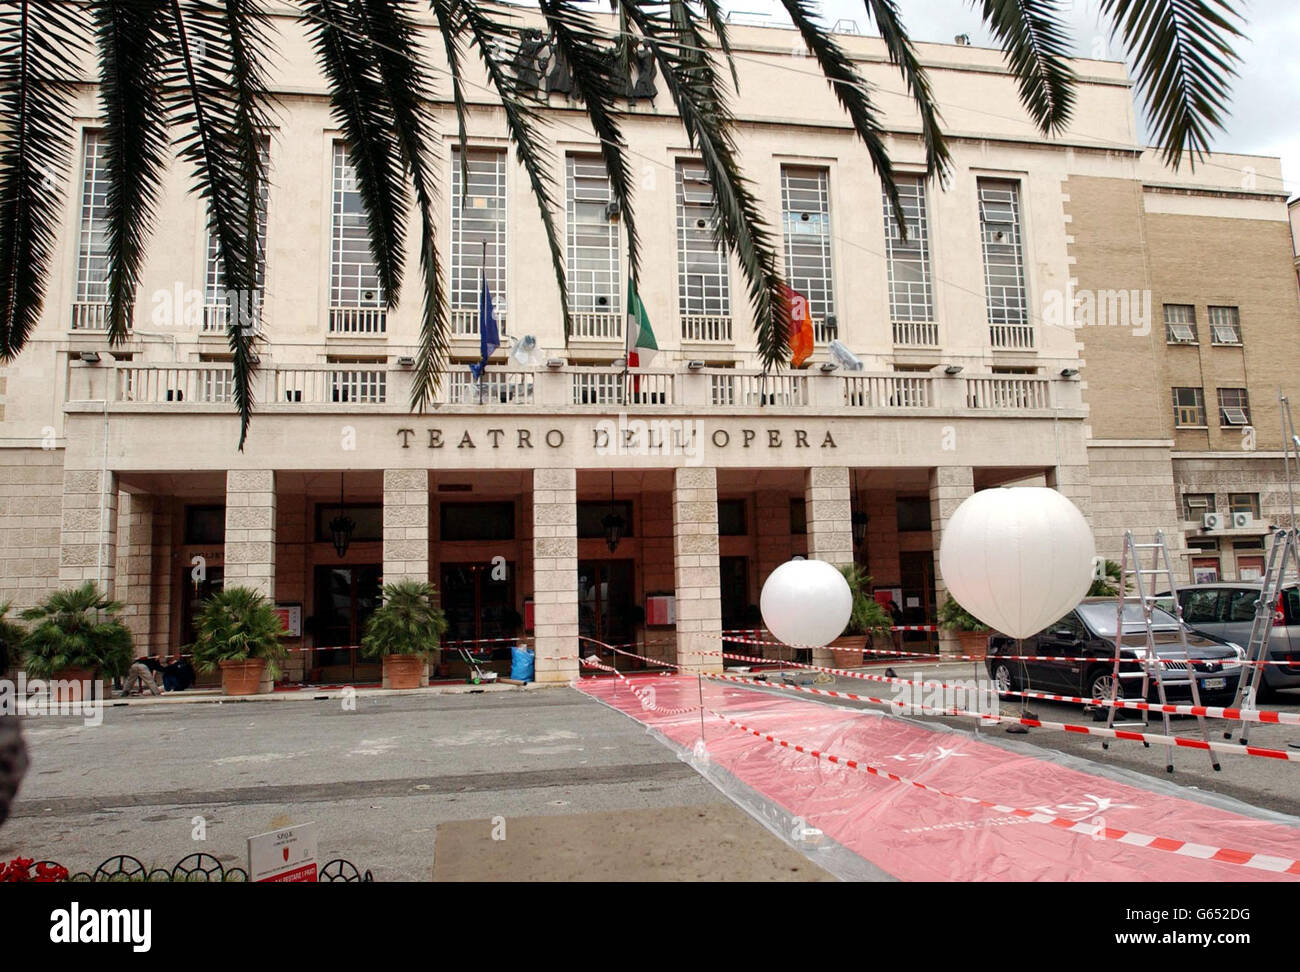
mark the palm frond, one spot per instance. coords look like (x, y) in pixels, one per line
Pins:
(496, 44)
(903, 54)
(1185, 65)
(717, 19)
(598, 87)
(217, 96)
(451, 27)
(39, 48)
(392, 28)
(133, 37)
(360, 105)
(1037, 45)
(851, 90)
(683, 53)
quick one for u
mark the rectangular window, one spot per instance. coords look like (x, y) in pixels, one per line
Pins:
(703, 288)
(88, 312)
(1234, 407)
(476, 521)
(1196, 505)
(910, 298)
(806, 220)
(1225, 325)
(1244, 503)
(1006, 297)
(1180, 324)
(216, 304)
(595, 279)
(731, 518)
(592, 513)
(1189, 408)
(798, 516)
(913, 514)
(368, 520)
(356, 300)
(205, 524)
(478, 236)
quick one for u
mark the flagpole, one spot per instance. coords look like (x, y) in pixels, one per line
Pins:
(627, 346)
(482, 306)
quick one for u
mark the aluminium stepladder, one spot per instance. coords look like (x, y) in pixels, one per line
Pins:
(1146, 584)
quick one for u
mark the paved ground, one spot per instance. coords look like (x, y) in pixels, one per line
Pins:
(378, 780)
(388, 780)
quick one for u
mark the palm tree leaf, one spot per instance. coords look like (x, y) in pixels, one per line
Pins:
(683, 54)
(598, 87)
(134, 38)
(451, 27)
(1185, 66)
(903, 53)
(852, 92)
(392, 28)
(718, 24)
(360, 105)
(496, 45)
(217, 95)
(39, 49)
(1037, 46)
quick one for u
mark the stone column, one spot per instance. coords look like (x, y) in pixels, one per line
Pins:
(250, 530)
(949, 485)
(555, 574)
(135, 584)
(829, 510)
(695, 565)
(88, 535)
(406, 525)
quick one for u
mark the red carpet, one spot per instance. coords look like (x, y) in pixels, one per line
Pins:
(917, 835)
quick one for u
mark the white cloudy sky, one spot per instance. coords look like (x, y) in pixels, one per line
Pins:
(1265, 115)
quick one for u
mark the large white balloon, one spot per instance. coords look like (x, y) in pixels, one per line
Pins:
(806, 602)
(1018, 559)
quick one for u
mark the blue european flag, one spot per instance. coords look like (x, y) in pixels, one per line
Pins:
(489, 338)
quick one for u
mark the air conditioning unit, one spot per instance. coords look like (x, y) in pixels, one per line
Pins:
(1212, 521)
(1243, 521)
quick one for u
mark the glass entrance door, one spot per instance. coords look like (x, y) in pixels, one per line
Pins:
(480, 606)
(606, 599)
(345, 599)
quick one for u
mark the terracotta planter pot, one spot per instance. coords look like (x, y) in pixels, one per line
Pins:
(242, 677)
(84, 676)
(973, 642)
(847, 651)
(403, 671)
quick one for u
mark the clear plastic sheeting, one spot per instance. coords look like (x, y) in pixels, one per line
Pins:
(911, 834)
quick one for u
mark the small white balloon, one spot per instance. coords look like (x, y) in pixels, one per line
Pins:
(1017, 558)
(806, 602)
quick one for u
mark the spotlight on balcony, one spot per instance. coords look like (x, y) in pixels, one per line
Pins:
(555, 362)
(952, 370)
(406, 361)
(695, 365)
(828, 367)
(1069, 372)
(89, 357)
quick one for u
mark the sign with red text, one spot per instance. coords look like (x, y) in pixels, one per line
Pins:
(283, 855)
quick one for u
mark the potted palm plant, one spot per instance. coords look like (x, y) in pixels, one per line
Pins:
(405, 631)
(237, 631)
(76, 635)
(971, 632)
(866, 618)
(11, 639)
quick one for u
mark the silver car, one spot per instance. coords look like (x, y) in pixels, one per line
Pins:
(1226, 610)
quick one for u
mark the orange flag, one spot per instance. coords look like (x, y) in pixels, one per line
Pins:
(796, 319)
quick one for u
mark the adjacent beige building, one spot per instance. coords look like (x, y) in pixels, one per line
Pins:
(120, 465)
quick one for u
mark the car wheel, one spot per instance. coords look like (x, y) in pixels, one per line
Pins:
(1003, 679)
(1101, 685)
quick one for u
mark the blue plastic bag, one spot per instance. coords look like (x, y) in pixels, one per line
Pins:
(521, 664)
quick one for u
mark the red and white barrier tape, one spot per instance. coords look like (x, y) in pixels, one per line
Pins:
(1223, 855)
(647, 698)
(1147, 737)
(942, 657)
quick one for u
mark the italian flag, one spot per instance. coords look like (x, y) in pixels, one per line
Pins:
(641, 343)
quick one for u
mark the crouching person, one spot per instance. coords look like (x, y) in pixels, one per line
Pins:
(141, 676)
